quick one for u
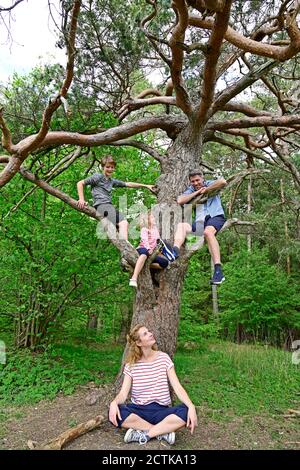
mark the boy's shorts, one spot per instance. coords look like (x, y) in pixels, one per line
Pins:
(217, 222)
(109, 211)
(153, 413)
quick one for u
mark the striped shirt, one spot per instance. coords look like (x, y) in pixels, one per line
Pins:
(150, 380)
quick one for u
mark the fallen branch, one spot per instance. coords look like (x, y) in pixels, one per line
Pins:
(69, 435)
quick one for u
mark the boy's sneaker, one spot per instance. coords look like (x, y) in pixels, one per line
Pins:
(169, 437)
(167, 250)
(133, 283)
(134, 435)
(218, 277)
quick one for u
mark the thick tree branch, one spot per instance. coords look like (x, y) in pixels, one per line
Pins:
(212, 56)
(6, 135)
(171, 124)
(177, 38)
(255, 47)
(259, 121)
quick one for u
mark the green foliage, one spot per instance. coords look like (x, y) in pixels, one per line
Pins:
(29, 378)
(258, 296)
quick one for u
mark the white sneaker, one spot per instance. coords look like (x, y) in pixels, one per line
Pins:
(134, 435)
(133, 283)
(168, 437)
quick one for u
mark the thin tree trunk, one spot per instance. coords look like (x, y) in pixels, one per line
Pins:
(286, 230)
(214, 292)
(249, 208)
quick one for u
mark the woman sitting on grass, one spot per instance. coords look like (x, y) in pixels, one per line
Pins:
(147, 373)
(148, 243)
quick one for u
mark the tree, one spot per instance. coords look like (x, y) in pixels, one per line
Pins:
(207, 63)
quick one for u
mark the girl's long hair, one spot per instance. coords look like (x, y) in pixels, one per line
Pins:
(144, 219)
(135, 352)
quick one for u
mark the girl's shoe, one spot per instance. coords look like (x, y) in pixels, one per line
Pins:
(133, 283)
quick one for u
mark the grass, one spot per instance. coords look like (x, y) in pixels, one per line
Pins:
(245, 379)
(222, 377)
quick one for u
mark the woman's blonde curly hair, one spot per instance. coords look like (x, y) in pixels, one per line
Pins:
(135, 353)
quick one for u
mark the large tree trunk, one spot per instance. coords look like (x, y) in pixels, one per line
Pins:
(158, 307)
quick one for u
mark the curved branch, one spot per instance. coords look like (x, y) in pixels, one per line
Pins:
(6, 135)
(150, 36)
(147, 92)
(245, 109)
(139, 145)
(56, 102)
(212, 56)
(285, 160)
(133, 104)
(178, 34)
(255, 47)
(199, 243)
(170, 124)
(245, 150)
(2, 9)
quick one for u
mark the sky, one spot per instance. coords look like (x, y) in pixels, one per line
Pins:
(32, 40)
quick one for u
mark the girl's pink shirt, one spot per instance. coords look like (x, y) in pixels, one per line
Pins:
(149, 238)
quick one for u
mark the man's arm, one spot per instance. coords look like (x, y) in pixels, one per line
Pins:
(114, 411)
(81, 203)
(183, 396)
(216, 185)
(185, 198)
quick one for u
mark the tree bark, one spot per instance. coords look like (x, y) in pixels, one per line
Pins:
(158, 307)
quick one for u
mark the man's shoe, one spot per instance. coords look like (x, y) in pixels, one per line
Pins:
(218, 277)
(134, 435)
(133, 283)
(169, 437)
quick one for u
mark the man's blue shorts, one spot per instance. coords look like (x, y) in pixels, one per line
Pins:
(153, 413)
(217, 222)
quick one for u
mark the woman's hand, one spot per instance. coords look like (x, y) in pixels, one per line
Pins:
(114, 412)
(192, 420)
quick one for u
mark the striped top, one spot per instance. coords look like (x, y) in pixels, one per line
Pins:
(149, 237)
(150, 380)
